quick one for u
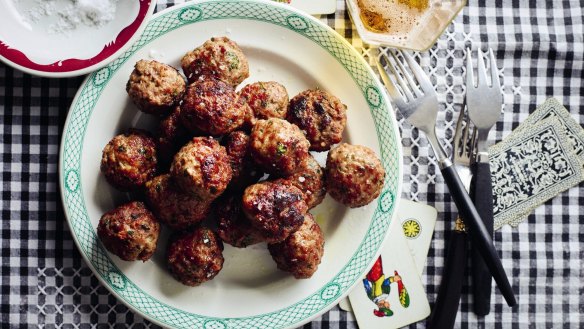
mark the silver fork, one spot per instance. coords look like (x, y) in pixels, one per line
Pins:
(484, 101)
(484, 109)
(418, 104)
(448, 298)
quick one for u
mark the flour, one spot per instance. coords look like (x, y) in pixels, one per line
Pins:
(43, 9)
(66, 16)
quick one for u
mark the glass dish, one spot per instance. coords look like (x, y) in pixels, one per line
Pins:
(421, 36)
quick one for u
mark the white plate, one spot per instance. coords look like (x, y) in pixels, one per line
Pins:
(282, 44)
(32, 38)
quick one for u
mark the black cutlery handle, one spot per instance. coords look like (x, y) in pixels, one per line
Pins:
(446, 305)
(479, 236)
(481, 190)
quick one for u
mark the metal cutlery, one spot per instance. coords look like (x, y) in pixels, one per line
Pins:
(418, 103)
(484, 104)
(446, 305)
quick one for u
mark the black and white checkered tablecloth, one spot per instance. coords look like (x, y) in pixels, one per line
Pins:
(539, 46)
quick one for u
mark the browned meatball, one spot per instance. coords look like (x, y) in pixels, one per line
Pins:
(278, 146)
(275, 210)
(129, 160)
(218, 57)
(320, 115)
(266, 100)
(172, 207)
(232, 225)
(201, 168)
(129, 231)
(213, 107)
(155, 87)
(245, 171)
(310, 180)
(354, 175)
(171, 136)
(195, 256)
(301, 253)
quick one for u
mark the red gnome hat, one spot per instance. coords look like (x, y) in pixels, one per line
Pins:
(376, 271)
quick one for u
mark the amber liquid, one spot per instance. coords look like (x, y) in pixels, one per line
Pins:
(392, 16)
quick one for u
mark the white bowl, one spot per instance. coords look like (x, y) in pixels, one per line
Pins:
(31, 40)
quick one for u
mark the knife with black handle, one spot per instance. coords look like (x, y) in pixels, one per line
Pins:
(483, 200)
(446, 305)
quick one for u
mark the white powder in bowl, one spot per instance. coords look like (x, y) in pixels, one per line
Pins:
(96, 12)
(93, 13)
(67, 15)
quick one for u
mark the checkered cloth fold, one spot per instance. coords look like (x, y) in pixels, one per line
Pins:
(539, 46)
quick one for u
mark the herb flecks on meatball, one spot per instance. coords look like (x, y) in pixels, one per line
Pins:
(301, 253)
(232, 225)
(310, 180)
(245, 171)
(354, 175)
(155, 87)
(129, 231)
(202, 168)
(266, 100)
(278, 146)
(220, 58)
(195, 256)
(212, 107)
(320, 115)
(129, 160)
(172, 207)
(273, 209)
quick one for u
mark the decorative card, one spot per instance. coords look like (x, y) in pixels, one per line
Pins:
(391, 294)
(531, 166)
(417, 221)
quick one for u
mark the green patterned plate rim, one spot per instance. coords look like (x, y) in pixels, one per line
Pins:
(267, 12)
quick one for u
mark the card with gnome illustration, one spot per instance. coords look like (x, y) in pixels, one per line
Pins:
(391, 294)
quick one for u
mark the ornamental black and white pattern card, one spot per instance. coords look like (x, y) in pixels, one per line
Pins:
(530, 167)
(552, 108)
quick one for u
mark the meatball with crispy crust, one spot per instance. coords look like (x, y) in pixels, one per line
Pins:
(129, 231)
(129, 160)
(201, 168)
(171, 136)
(310, 180)
(266, 100)
(245, 171)
(172, 207)
(278, 146)
(195, 256)
(354, 175)
(276, 210)
(220, 58)
(232, 225)
(301, 253)
(213, 107)
(320, 115)
(155, 87)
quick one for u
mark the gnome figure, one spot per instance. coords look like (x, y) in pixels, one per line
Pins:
(378, 287)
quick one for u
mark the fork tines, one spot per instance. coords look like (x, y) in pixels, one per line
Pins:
(402, 76)
(481, 70)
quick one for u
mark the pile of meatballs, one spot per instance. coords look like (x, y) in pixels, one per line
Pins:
(229, 167)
